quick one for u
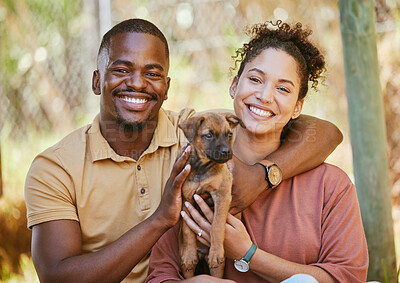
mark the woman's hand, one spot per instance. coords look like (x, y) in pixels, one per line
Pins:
(237, 241)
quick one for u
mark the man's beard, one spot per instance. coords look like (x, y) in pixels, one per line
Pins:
(130, 127)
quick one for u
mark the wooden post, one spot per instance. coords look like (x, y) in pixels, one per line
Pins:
(368, 134)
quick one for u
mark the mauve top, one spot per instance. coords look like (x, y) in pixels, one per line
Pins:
(312, 218)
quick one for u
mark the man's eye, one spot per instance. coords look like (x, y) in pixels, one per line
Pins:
(153, 75)
(122, 71)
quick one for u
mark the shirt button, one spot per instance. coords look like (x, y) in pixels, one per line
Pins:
(138, 167)
(142, 191)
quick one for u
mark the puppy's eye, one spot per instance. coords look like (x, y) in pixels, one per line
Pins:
(230, 134)
(208, 136)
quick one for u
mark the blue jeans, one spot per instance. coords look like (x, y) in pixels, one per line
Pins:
(300, 278)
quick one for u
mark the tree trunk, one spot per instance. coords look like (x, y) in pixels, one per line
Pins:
(1, 179)
(368, 134)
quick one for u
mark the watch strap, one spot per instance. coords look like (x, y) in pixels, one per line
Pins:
(250, 253)
(266, 163)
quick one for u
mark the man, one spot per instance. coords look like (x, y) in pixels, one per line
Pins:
(100, 198)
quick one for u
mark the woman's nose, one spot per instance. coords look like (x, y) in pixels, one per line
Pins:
(266, 95)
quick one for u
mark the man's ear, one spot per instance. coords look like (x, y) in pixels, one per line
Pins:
(168, 84)
(297, 109)
(96, 85)
(190, 126)
(232, 89)
(233, 120)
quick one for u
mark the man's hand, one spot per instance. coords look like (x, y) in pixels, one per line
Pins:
(248, 183)
(171, 202)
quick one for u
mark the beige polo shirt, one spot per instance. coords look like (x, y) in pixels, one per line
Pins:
(81, 178)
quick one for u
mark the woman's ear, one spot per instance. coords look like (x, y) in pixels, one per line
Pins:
(297, 109)
(232, 89)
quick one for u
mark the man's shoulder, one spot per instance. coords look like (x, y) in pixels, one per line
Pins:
(72, 144)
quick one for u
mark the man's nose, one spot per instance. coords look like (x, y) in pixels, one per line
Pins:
(136, 81)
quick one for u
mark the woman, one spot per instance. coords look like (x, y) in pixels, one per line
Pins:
(310, 223)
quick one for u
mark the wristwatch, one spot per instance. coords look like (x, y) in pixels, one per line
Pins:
(273, 174)
(242, 265)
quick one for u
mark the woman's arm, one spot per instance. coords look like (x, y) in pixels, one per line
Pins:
(237, 243)
(307, 143)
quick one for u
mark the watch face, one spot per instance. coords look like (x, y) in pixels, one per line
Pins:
(275, 175)
(241, 265)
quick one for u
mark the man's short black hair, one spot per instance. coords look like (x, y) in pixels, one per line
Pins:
(133, 25)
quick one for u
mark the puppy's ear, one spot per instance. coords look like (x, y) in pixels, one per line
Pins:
(233, 120)
(190, 126)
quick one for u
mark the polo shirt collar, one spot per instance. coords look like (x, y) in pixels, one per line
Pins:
(164, 136)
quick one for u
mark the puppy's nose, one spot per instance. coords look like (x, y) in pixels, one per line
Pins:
(224, 150)
(225, 153)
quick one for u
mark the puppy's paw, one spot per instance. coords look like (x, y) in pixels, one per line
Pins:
(218, 271)
(188, 270)
(216, 262)
(189, 262)
(216, 257)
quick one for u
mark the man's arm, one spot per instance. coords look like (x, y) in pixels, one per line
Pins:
(56, 245)
(307, 143)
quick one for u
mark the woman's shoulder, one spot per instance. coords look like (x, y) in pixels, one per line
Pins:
(326, 171)
(328, 177)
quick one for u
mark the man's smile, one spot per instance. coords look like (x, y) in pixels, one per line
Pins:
(134, 100)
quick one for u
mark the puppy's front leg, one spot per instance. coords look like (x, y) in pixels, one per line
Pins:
(188, 250)
(216, 257)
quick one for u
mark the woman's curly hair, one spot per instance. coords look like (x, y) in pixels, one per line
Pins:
(293, 40)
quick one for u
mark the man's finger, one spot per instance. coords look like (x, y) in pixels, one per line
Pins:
(180, 162)
(178, 181)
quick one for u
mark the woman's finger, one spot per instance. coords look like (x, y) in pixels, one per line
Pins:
(203, 240)
(232, 220)
(204, 237)
(195, 214)
(209, 214)
(194, 226)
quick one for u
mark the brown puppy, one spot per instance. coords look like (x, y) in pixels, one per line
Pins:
(210, 136)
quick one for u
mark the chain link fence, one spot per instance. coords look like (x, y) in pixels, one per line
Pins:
(48, 53)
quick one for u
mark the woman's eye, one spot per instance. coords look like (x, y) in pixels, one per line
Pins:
(284, 89)
(255, 79)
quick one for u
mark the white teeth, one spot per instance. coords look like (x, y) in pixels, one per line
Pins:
(134, 100)
(260, 112)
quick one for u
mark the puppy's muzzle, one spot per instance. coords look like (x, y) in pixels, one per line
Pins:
(220, 155)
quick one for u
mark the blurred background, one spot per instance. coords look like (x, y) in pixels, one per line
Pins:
(48, 53)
